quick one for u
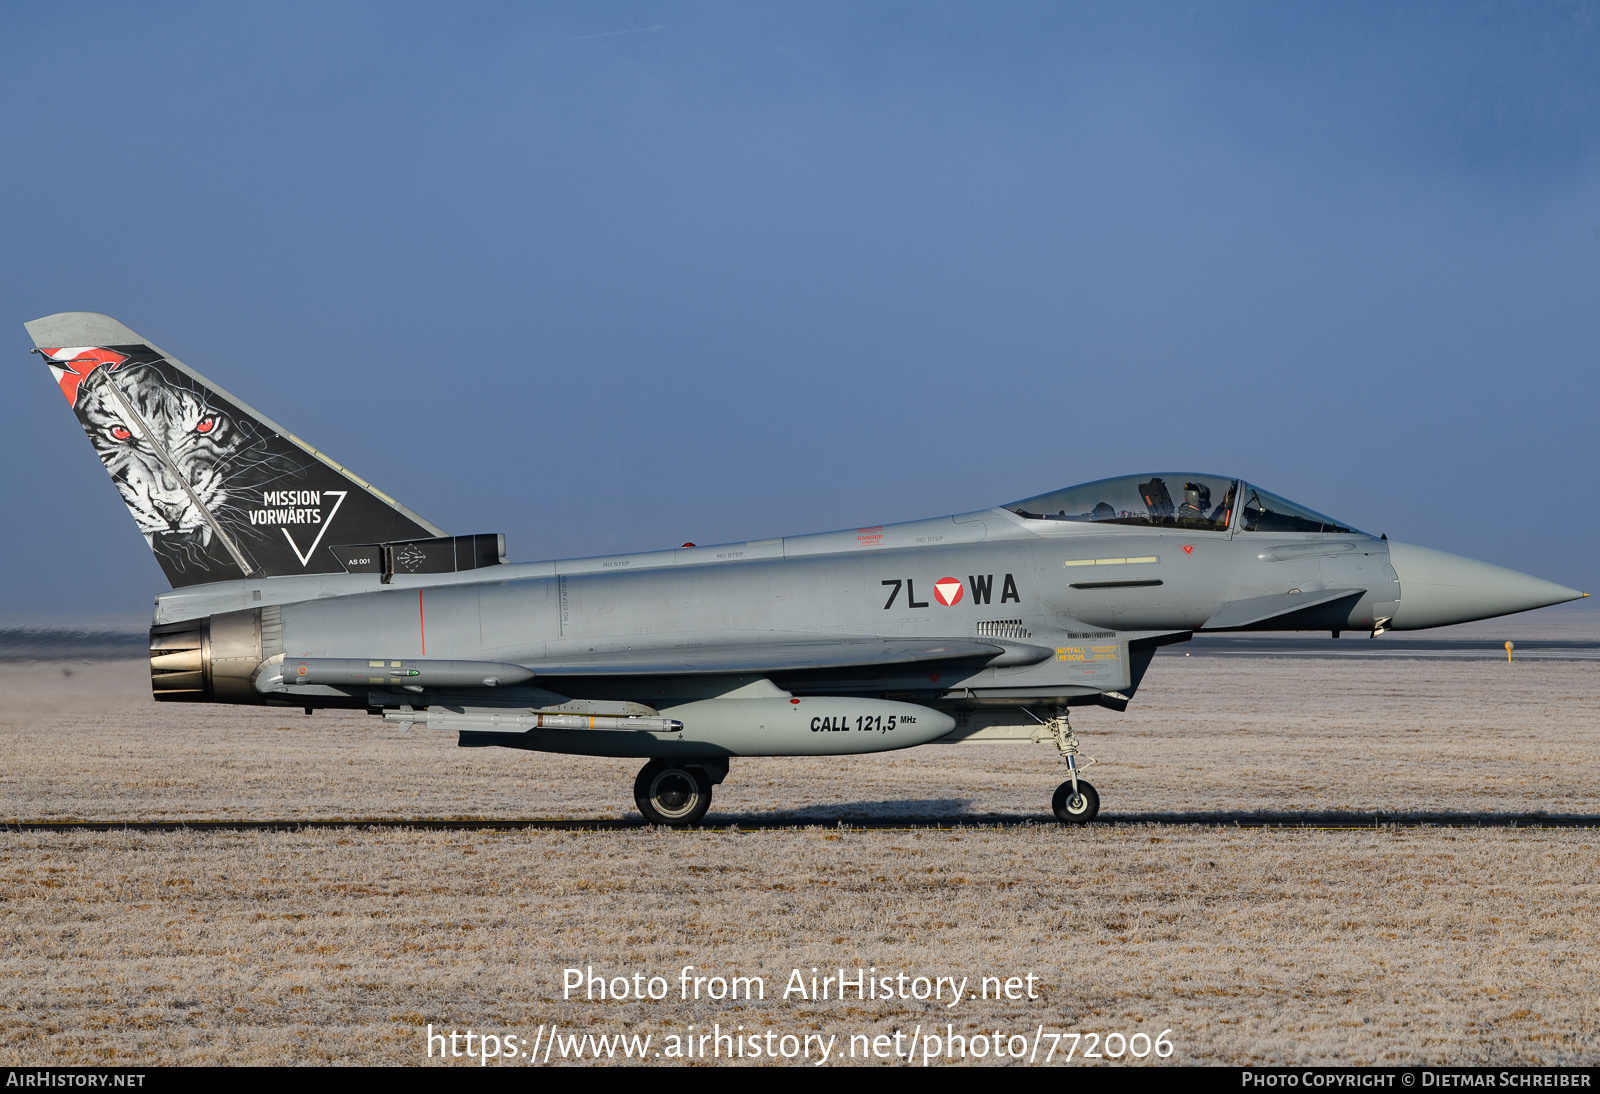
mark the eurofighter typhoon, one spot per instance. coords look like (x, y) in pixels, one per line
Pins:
(297, 583)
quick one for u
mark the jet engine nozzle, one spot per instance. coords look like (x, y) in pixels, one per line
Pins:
(208, 660)
(1438, 589)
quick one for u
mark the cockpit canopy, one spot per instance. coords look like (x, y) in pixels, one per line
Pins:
(1176, 500)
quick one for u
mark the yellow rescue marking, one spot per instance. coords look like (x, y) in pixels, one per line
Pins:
(1087, 653)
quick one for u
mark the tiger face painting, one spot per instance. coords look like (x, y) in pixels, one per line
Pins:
(202, 444)
(180, 453)
(198, 439)
(218, 491)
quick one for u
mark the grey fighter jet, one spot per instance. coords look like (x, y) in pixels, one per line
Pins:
(297, 583)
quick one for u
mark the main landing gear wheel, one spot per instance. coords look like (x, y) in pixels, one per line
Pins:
(1075, 808)
(670, 794)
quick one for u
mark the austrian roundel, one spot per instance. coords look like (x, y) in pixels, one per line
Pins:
(948, 590)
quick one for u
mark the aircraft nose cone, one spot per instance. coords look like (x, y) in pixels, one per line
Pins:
(1437, 589)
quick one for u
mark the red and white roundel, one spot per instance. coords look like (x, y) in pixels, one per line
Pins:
(948, 590)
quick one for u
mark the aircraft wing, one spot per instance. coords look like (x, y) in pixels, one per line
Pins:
(765, 657)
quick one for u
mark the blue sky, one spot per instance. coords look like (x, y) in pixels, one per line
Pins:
(613, 277)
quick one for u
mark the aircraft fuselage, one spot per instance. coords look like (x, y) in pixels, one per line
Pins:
(298, 583)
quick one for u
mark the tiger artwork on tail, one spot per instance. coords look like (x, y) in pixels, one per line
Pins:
(219, 491)
(212, 450)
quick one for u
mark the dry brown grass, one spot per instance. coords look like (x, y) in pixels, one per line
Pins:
(1419, 945)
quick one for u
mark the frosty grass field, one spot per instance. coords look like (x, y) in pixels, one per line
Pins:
(1437, 944)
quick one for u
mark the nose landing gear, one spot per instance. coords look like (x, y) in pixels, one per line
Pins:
(1075, 805)
(1075, 801)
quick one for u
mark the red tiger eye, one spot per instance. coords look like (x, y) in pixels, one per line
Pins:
(205, 426)
(119, 433)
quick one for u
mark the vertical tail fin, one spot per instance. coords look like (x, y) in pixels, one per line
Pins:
(219, 490)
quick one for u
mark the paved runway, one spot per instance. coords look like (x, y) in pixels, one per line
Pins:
(1319, 821)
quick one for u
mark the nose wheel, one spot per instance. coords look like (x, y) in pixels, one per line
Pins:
(1075, 804)
(1075, 801)
(672, 795)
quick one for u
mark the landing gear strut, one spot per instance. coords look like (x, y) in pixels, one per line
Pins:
(1075, 801)
(672, 793)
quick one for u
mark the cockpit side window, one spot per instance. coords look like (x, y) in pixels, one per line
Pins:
(1264, 512)
(1168, 500)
